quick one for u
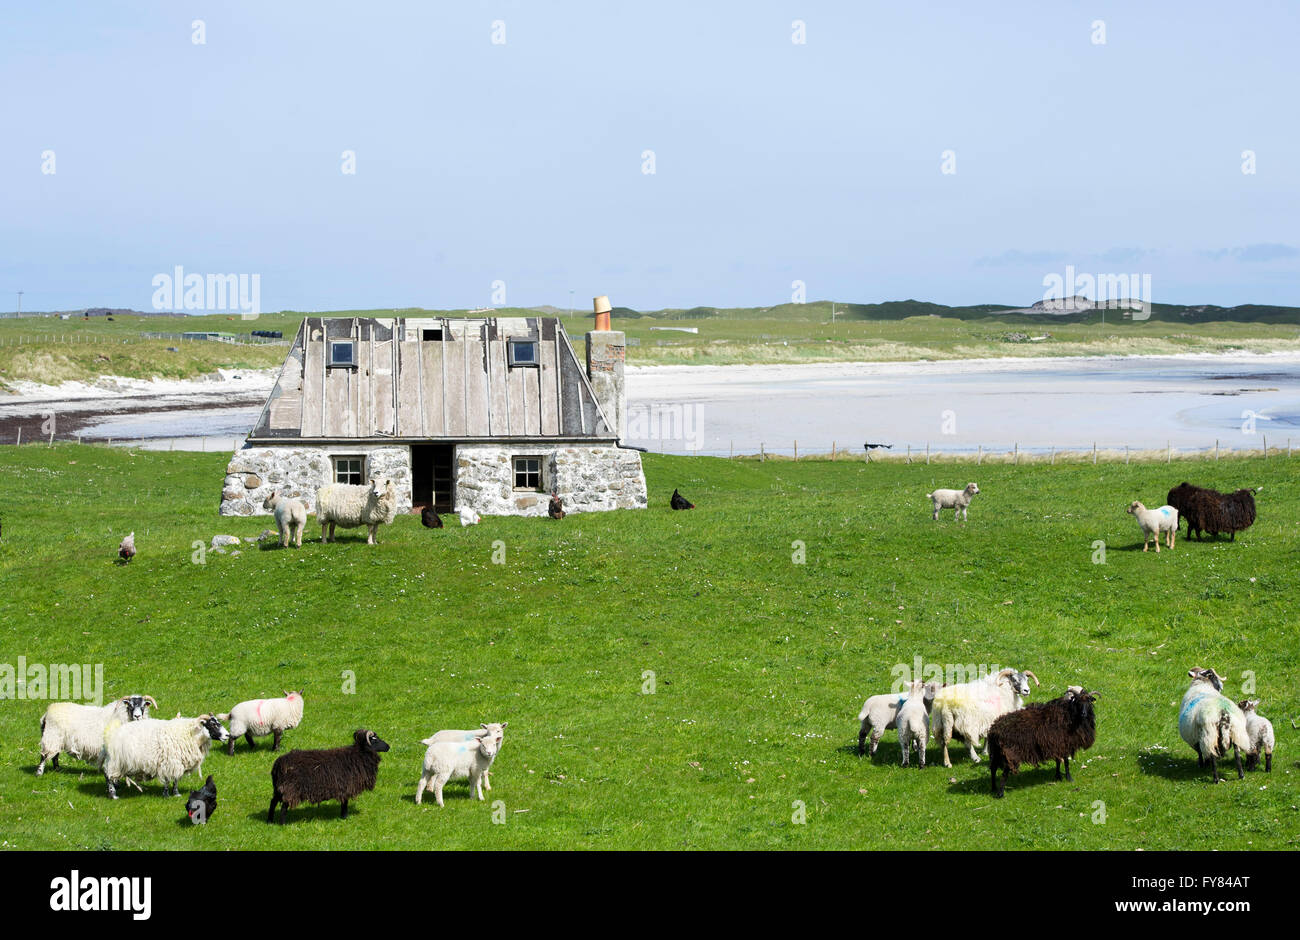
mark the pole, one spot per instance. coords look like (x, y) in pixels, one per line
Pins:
(1053, 460)
(1216, 448)
(796, 450)
(1265, 445)
(909, 453)
(1016, 459)
(20, 435)
(927, 453)
(832, 451)
(979, 455)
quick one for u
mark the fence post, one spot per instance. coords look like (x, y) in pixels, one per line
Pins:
(927, 453)
(1169, 452)
(796, 450)
(1016, 459)
(762, 454)
(1265, 436)
(731, 450)
(1216, 448)
(979, 455)
(909, 453)
(1053, 457)
(20, 435)
(1126, 455)
(832, 451)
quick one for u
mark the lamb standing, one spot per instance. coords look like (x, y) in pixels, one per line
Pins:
(456, 760)
(350, 506)
(497, 731)
(880, 713)
(1210, 722)
(914, 723)
(290, 518)
(262, 716)
(956, 500)
(1154, 523)
(1260, 732)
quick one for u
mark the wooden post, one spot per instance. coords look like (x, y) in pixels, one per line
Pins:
(20, 435)
(78, 439)
(762, 453)
(1053, 458)
(979, 455)
(1126, 455)
(909, 453)
(796, 450)
(731, 449)
(927, 453)
(1016, 459)
(1094, 453)
(1265, 436)
(832, 451)
(1216, 448)
(1169, 452)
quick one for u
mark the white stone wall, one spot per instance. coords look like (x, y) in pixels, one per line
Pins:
(254, 472)
(587, 478)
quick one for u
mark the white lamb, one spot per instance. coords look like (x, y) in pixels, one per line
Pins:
(78, 730)
(151, 747)
(880, 713)
(914, 723)
(1155, 522)
(956, 500)
(1260, 732)
(969, 709)
(495, 729)
(456, 760)
(290, 518)
(349, 506)
(262, 716)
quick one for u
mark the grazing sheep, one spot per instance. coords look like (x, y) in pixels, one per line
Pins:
(956, 500)
(262, 716)
(556, 507)
(1210, 511)
(1260, 732)
(880, 713)
(202, 803)
(78, 730)
(429, 518)
(969, 709)
(1154, 523)
(1052, 730)
(914, 722)
(495, 730)
(1210, 722)
(349, 506)
(468, 516)
(290, 518)
(456, 760)
(680, 502)
(126, 550)
(340, 773)
(152, 747)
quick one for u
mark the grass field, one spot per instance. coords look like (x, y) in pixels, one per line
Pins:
(50, 351)
(760, 664)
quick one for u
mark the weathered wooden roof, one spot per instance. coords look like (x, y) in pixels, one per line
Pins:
(417, 379)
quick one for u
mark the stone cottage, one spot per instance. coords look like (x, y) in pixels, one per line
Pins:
(492, 414)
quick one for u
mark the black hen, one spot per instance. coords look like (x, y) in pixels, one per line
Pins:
(429, 518)
(202, 803)
(681, 502)
(556, 509)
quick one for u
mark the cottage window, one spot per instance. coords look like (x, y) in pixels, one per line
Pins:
(431, 336)
(350, 470)
(528, 473)
(523, 352)
(343, 354)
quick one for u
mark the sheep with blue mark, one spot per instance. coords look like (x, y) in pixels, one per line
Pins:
(1210, 722)
(1155, 523)
(880, 714)
(456, 760)
(496, 729)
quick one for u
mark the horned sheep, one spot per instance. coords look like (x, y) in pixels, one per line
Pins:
(340, 773)
(78, 730)
(1208, 510)
(349, 506)
(1052, 730)
(969, 709)
(151, 747)
(1210, 722)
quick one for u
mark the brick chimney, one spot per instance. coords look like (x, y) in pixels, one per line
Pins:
(606, 356)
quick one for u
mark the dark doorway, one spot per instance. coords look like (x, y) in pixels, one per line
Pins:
(431, 479)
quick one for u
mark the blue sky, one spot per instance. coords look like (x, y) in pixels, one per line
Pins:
(522, 161)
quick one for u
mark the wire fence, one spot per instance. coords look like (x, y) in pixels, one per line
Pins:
(110, 339)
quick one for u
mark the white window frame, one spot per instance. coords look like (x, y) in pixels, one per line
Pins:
(338, 458)
(515, 471)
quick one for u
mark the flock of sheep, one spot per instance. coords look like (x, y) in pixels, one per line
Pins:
(124, 743)
(992, 708)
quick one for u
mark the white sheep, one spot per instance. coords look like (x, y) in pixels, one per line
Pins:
(1154, 522)
(262, 716)
(349, 506)
(880, 713)
(956, 500)
(969, 709)
(456, 760)
(495, 729)
(152, 747)
(1210, 722)
(290, 518)
(1260, 732)
(914, 723)
(78, 730)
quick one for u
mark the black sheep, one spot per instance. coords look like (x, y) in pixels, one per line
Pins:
(339, 773)
(202, 803)
(680, 502)
(1210, 511)
(1043, 731)
(429, 518)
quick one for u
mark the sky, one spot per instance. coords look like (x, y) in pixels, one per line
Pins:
(956, 152)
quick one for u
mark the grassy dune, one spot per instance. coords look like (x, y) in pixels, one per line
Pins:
(83, 350)
(760, 664)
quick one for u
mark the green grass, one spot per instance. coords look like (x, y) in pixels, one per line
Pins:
(790, 333)
(760, 664)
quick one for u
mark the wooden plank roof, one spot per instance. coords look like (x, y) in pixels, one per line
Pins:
(430, 378)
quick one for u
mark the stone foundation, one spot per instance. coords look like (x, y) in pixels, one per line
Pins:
(255, 472)
(587, 478)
